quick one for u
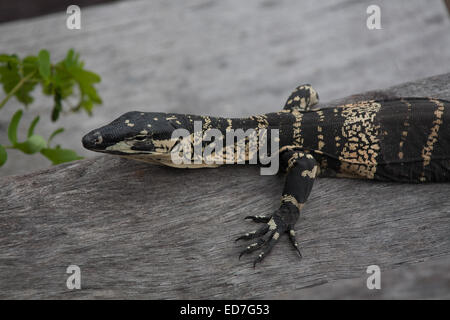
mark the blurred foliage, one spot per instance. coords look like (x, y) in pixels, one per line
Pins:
(63, 81)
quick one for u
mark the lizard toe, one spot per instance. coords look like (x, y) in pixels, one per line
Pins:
(254, 234)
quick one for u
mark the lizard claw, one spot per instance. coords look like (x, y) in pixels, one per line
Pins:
(282, 221)
(267, 248)
(294, 242)
(268, 235)
(260, 243)
(254, 234)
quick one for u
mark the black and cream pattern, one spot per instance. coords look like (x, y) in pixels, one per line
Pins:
(404, 140)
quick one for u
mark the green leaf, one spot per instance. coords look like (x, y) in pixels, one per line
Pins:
(33, 144)
(12, 129)
(10, 77)
(63, 82)
(32, 126)
(85, 76)
(69, 61)
(44, 64)
(30, 64)
(57, 155)
(57, 107)
(56, 132)
(6, 58)
(23, 94)
(85, 80)
(3, 155)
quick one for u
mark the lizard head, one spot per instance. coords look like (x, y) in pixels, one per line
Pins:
(134, 134)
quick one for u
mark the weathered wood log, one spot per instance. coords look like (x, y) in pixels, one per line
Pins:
(143, 231)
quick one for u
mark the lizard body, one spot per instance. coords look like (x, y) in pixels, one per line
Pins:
(403, 140)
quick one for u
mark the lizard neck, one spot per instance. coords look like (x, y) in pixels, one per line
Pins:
(285, 123)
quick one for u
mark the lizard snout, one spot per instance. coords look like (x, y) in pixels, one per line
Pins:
(92, 140)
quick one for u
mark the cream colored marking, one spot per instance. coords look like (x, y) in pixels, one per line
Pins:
(313, 97)
(406, 128)
(161, 155)
(282, 149)
(130, 124)
(164, 146)
(296, 127)
(433, 136)
(156, 119)
(123, 146)
(292, 160)
(171, 118)
(230, 124)
(272, 224)
(311, 174)
(149, 125)
(156, 158)
(144, 132)
(292, 233)
(206, 123)
(276, 235)
(291, 199)
(360, 114)
(262, 121)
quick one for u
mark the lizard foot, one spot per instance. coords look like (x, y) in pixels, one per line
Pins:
(274, 226)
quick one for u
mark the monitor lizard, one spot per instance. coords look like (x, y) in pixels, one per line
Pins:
(402, 139)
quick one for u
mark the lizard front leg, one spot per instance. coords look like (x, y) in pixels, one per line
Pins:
(302, 169)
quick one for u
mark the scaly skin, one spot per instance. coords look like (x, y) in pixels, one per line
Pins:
(404, 140)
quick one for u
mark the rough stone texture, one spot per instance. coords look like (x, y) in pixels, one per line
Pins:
(143, 231)
(228, 58)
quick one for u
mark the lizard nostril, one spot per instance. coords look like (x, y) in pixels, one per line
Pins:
(87, 141)
(90, 141)
(99, 139)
